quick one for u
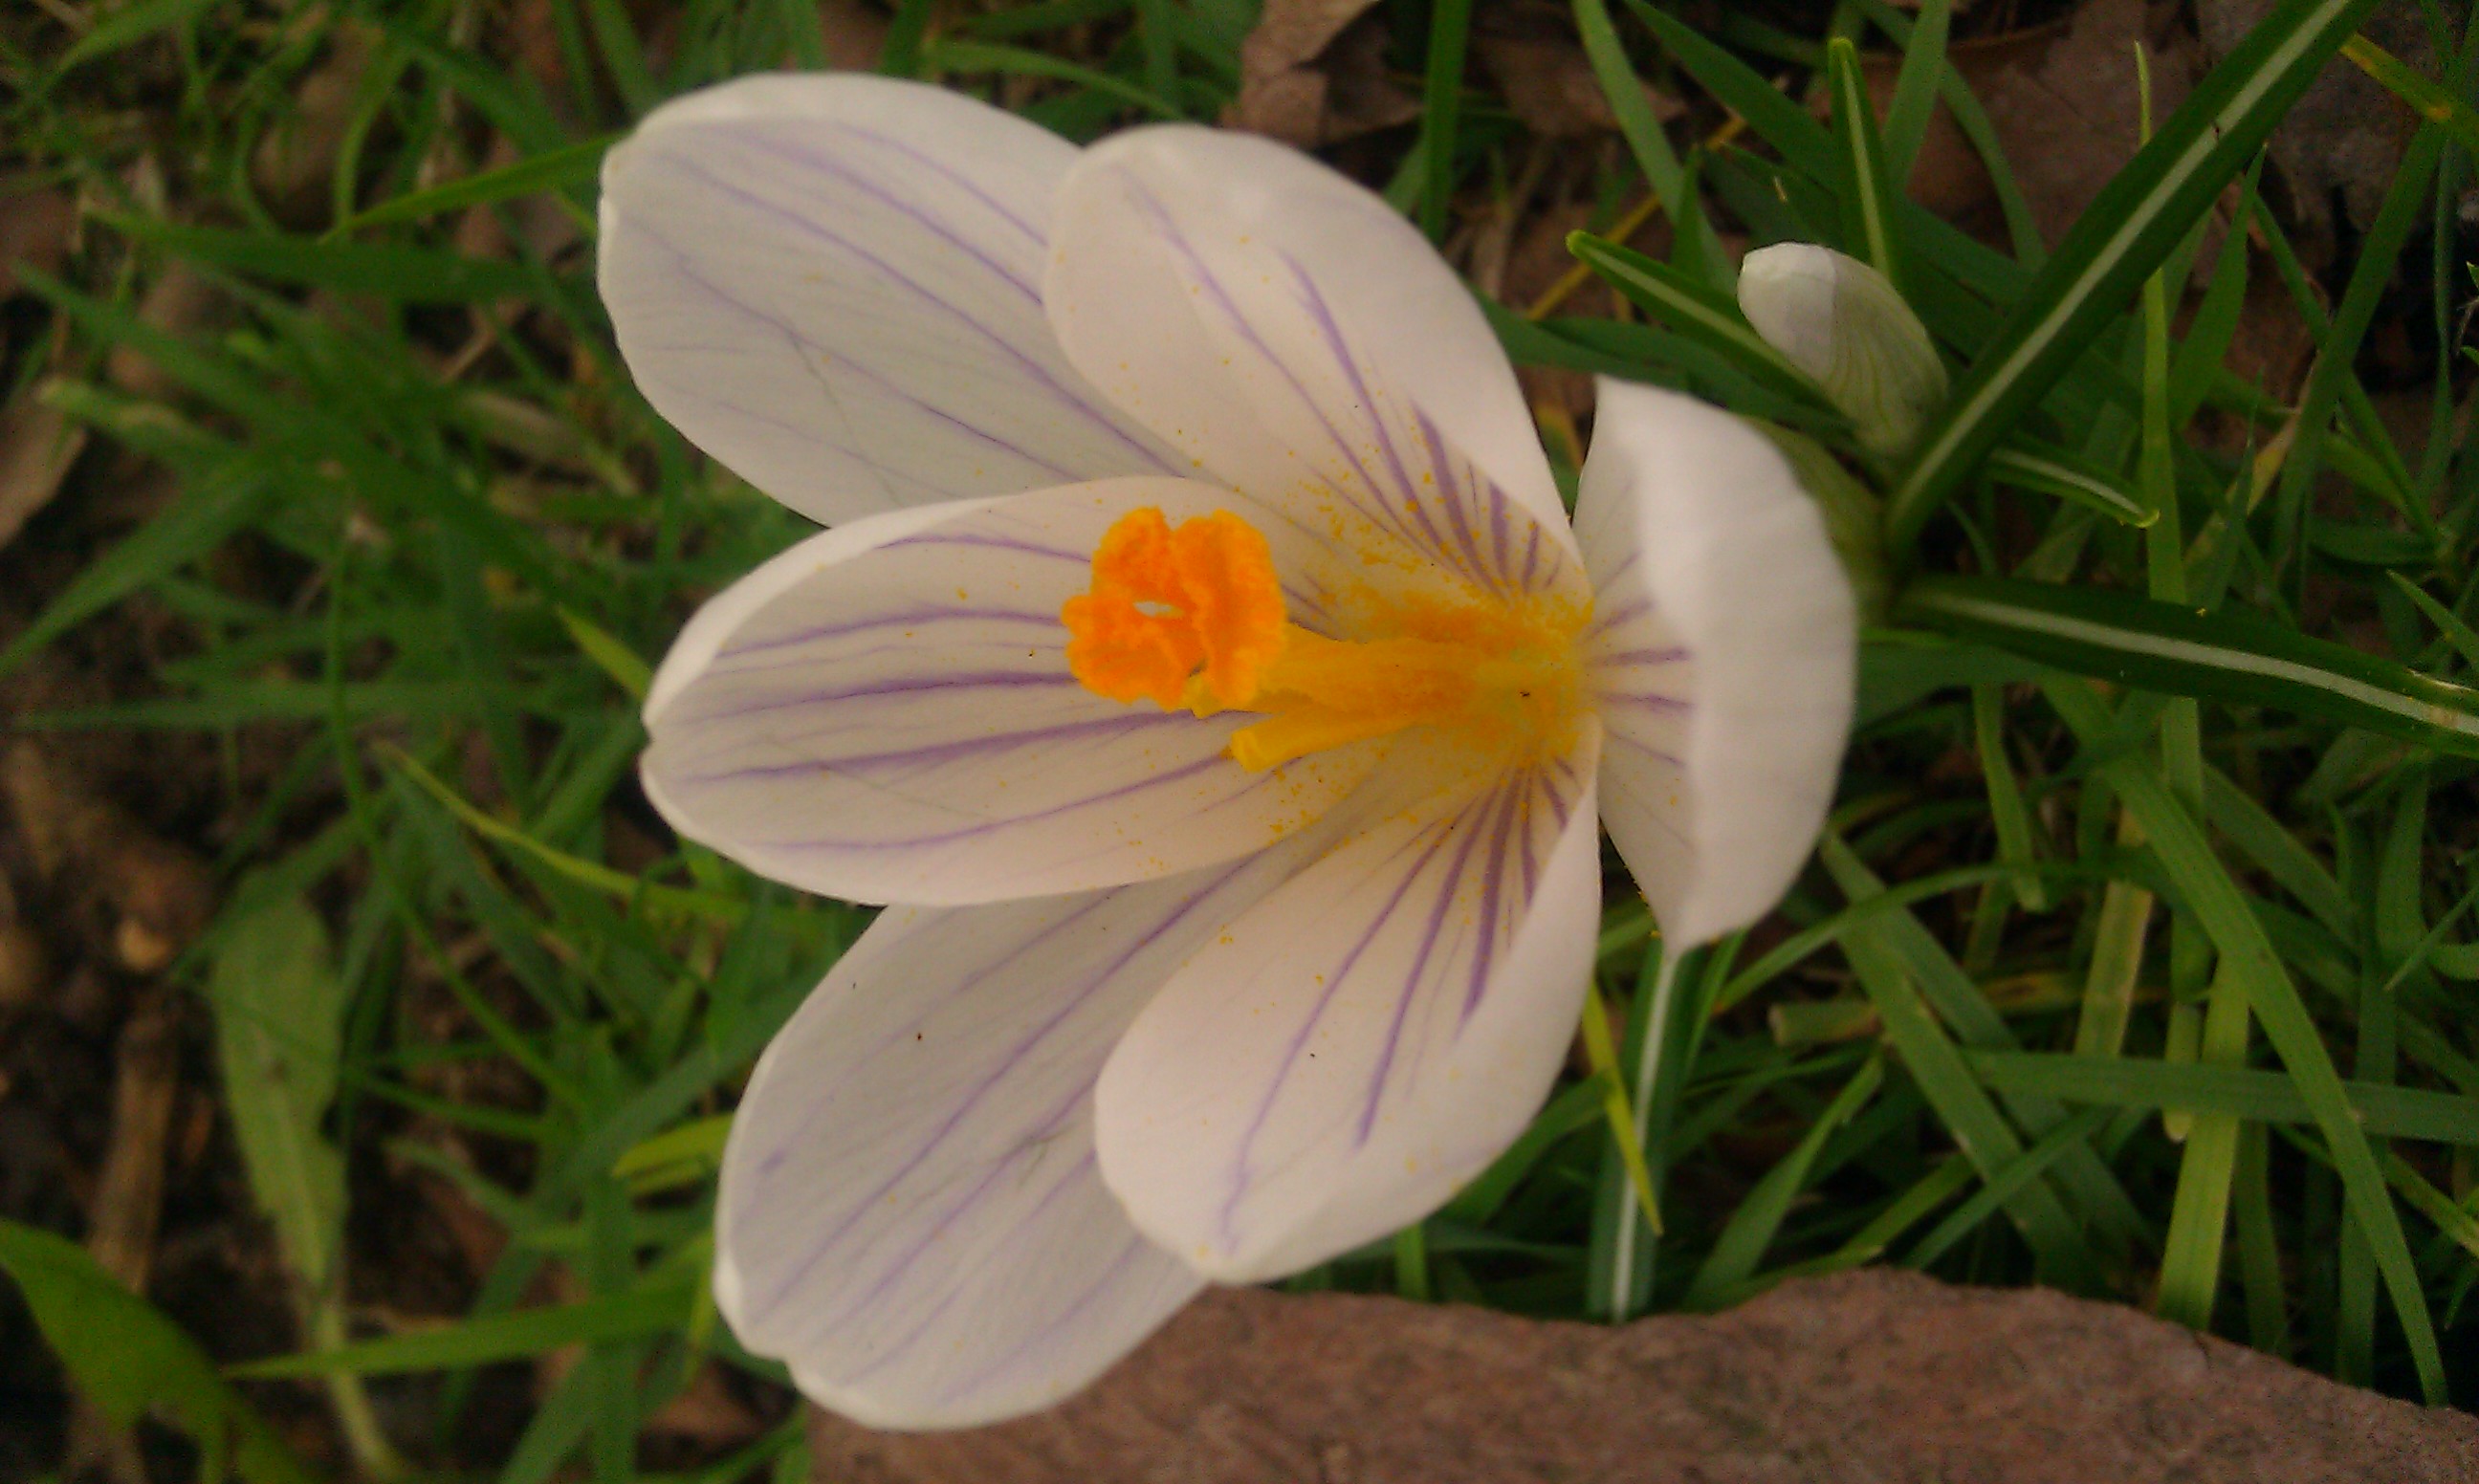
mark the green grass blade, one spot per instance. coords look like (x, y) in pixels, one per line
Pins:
(1915, 88)
(1958, 1000)
(2127, 232)
(1442, 98)
(2029, 465)
(1803, 143)
(1965, 1218)
(1700, 314)
(2021, 228)
(2205, 348)
(126, 27)
(2403, 211)
(388, 271)
(566, 165)
(2006, 810)
(2236, 1092)
(1647, 140)
(1573, 1111)
(2276, 852)
(1741, 1247)
(953, 56)
(2425, 98)
(1867, 186)
(2216, 902)
(197, 523)
(128, 1358)
(639, 1313)
(2215, 656)
(1962, 1103)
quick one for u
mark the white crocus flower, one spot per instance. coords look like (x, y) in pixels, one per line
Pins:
(1846, 326)
(1216, 982)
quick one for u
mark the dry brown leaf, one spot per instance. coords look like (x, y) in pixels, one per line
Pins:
(129, 1193)
(294, 166)
(35, 226)
(38, 445)
(2067, 114)
(1948, 176)
(179, 302)
(1550, 85)
(852, 33)
(2342, 141)
(25, 965)
(160, 895)
(707, 1412)
(1314, 72)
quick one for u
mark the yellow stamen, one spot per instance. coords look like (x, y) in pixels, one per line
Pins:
(1194, 617)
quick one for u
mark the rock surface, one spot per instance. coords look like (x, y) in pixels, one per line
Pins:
(1874, 1378)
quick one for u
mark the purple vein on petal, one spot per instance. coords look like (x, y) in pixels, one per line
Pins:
(1624, 739)
(1664, 654)
(944, 171)
(1501, 540)
(1116, 724)
(808, 432)
(1432, 933)
(1645, 701)
(901, 1344)
(1330, 330)
(1040, 373)
(1626, 612)
(1518, 804)
(978, 828)
(915, 618)
(1073, 1000)
(1102, 1284)
(1453, 496)
(939, 537)
(1436, 839)
(979, 1191)
(944, 685)
(804, 348)
(1206, 279)
(1535, 783)
(806, 1127)
(829, 165)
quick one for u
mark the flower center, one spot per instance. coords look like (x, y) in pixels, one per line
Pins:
(1192, 616)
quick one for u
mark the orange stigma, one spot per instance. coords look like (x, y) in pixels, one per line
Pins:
(1192, 617)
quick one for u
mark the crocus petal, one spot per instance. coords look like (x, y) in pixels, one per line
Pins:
(831, 284)
(884, 713)
(1846, 326)
(909, 1213)
(1723, 657)
(1348, 1052)
(1299, 340)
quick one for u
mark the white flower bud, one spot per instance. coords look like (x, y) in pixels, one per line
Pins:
(1838, 320)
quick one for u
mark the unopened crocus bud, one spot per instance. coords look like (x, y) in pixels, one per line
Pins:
(1842, 322)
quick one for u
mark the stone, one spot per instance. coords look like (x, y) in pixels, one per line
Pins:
(1869, 1377)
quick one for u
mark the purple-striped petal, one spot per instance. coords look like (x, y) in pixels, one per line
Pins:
(1299, 339)
(1722, 656)
(1349, 1051)
(884, 714)
(910, 1214)
(833, 285)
